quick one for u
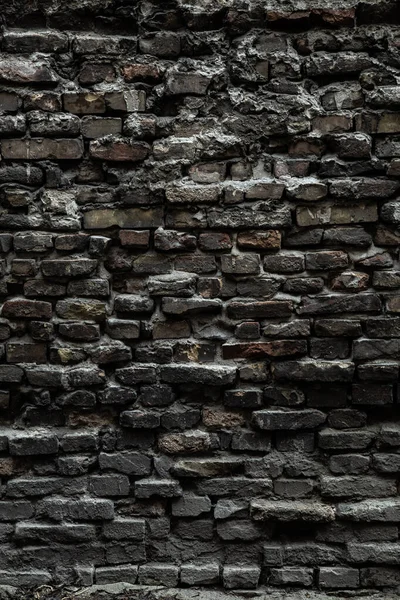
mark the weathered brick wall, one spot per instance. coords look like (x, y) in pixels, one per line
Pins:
(199, 327)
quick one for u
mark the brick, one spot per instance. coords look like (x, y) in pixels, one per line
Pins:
(66, 533)
(15, 511)
(284, 263)
(94, 310)
(32, 577)
(68, 268)
(272, 349)
(14, 69)
(356, 487)
(48, 124)
(125, 529)
(41, 149)
(379, 577)
(338, 577)
(134, 239)
(118, 150)
(138, 419)
(309, 511)
(349, 464)
(126, 219)
(35, 41)
(109, 485)
(268, 215)
(260, 240)
(326, 304)
(207, 375)
(27, 445)
(290, 420)
(296, 576)
(129, 463)
(372, 394)
(200, 574)
(184, 443)
(384, 553)
(238, 577)
(116, 574)
(158, 574)
(259, 309)
(141, 72)
(330, 439)
(317, 370)
(84, 103)
(187, 83)
(91, 509)
(350, 281)
(26, 309)
(166, 488)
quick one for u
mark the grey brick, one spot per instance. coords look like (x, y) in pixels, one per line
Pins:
(244, 578)
(116, 574)
(383, 553)
(129, 463)
(338, 577)
(125, 529)
(15, 511)
(280, 510)
(166, 488)
(66, 533)
(85, 509)
(190, 505)
(109, 485)
(200, 574)
(31, 444)
(296, 576)
(158, 574)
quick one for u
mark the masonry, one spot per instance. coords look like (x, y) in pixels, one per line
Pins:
(199, 295)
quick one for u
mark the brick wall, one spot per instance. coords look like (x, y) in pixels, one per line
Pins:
(199, 326)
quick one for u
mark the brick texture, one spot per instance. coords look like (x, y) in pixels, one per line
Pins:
(199, 295)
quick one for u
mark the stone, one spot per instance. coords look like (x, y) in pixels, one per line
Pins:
(42, 149)
(207, 375)
(288, 420)
(326, 304)
(259, 309)
(191, 306)
(20, 70)
(158, 574)
(200, 331)
(191, 505)
(126, 219)
(185, 443)
(200, 574)
(166, 488)
(271, 349)
(307, 190)
(96, 127)
(27, 309)
(245, 577)
(119, 150)
(318, 370)
(338, 577)
(280, 510)
(269, 214)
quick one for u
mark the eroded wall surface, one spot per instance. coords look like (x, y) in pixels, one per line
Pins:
(200, 330)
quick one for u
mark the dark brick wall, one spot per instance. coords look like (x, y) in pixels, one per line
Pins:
(200, 329)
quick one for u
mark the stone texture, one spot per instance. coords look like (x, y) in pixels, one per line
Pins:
(199, 330)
